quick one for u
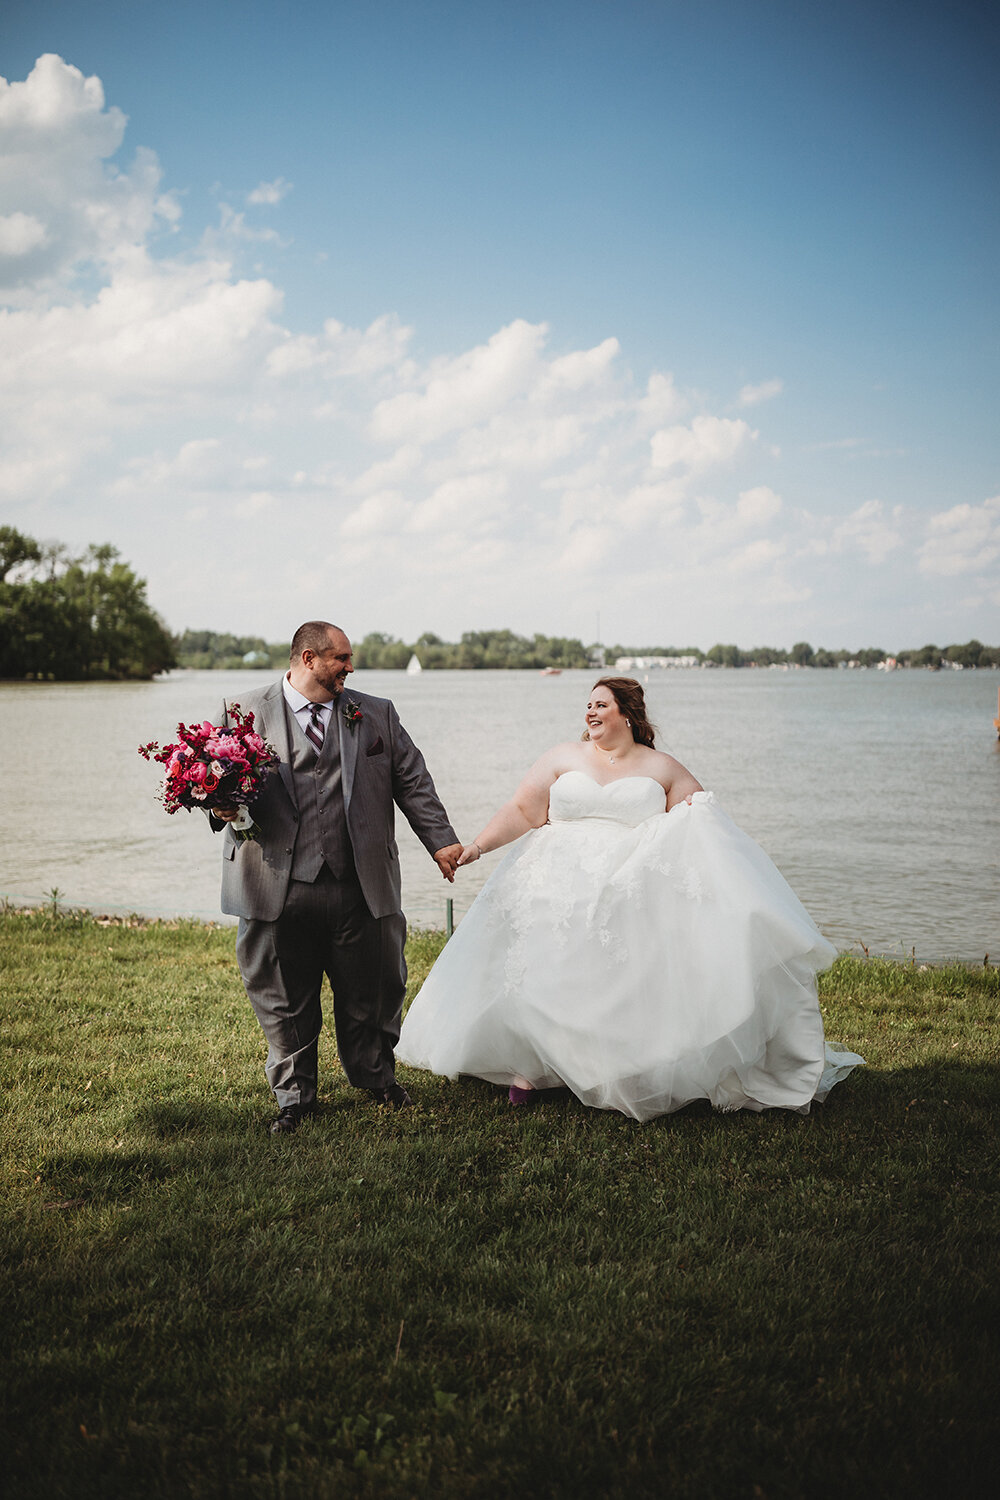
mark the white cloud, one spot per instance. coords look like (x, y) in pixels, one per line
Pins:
(383, 511)
(295, 355)
(254, 504)
(455, 392)
(381, 346)
(339, 352)
(400, 467)
(661, 502)
(269, 192)
(584, 367)
(151, 344)
(663, 402)
(79, 368)
(756, 555)
(704, 444)
(472, 502)
(20, 234)
(199, 460)
(758, 505)
(64, 204)
(869, 531)
(964, 539)
(235, 226)
(587, 547)
(753, 395)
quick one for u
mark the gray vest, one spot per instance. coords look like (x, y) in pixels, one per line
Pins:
(322, 837)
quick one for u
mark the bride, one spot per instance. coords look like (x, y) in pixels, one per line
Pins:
(635, 946)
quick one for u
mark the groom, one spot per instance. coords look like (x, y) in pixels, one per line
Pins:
(317, 890)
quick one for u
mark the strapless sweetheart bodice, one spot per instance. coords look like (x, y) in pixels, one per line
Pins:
(630, 800)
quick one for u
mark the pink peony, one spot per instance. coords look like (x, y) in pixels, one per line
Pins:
(224, 747)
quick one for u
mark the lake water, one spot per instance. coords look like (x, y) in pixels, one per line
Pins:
(877, 795)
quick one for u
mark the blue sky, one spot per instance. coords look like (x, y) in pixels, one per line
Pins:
(446, 316)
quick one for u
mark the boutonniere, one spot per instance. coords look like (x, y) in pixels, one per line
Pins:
(352, 714)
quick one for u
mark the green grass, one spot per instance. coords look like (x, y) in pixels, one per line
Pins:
(471, 1300)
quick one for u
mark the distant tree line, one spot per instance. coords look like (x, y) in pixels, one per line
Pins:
(476, 649)
(505, 649)
(206, 649)
(75, 618)
(972, 654)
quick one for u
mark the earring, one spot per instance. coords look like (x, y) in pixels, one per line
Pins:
(628, 723)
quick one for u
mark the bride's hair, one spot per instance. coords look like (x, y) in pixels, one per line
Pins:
(630, 698)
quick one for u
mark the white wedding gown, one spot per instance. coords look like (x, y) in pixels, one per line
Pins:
(640, 958)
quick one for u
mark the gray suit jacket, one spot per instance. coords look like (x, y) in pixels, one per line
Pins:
(380, 767)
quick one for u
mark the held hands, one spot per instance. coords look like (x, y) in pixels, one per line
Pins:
(448, 860)
(470, 854)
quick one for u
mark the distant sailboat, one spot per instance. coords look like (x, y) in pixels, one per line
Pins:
(413, 665)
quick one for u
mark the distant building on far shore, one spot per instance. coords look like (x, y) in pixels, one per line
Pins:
(645, 663)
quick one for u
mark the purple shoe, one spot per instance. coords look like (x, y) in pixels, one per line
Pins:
(520, 1096)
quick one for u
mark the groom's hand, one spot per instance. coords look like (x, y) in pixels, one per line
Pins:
(447, 860)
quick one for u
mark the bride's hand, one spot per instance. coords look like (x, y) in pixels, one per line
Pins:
(469, 855)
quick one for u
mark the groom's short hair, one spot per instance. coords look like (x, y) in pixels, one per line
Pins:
(314, 635)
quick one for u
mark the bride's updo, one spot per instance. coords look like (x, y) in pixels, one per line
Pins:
(631, 700)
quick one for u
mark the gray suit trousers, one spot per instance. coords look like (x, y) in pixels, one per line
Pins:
(325, 928)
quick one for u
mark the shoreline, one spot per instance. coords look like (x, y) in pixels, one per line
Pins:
(111, 916)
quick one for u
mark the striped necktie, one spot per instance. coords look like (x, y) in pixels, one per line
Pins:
(314, 729)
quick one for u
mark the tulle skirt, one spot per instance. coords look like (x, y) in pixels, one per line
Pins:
(641, 967)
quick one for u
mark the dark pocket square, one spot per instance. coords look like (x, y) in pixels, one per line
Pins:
(377, 748)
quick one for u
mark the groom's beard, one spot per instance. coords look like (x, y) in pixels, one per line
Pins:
(334, 683)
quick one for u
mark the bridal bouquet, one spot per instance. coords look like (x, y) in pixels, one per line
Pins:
(213, 767)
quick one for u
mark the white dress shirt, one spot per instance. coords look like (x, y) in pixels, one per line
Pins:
(302, 707)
